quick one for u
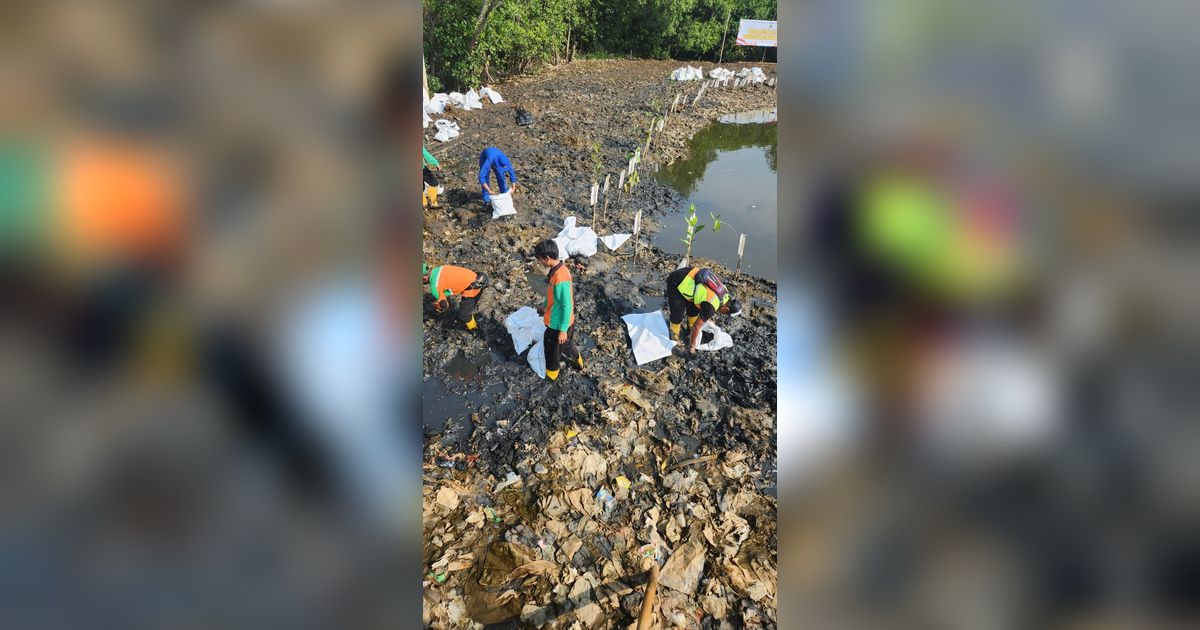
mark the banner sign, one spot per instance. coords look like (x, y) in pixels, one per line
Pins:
(758, 33)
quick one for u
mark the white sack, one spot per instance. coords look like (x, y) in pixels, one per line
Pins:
(502, 205)
(471, 100)
(437, 104)
(613, 241)
(648, 336)
(425, 119)
(720, 73)
(755, 74)
(456, 98)
(687, 73)
(720, 340)
(447, 130)
(575, 241)
(527, 329)
(492, 95)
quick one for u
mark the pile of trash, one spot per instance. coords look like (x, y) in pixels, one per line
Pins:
(754, 75)
(687, 73)
(566, 539)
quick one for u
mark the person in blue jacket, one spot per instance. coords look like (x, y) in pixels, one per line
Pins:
(493, 159)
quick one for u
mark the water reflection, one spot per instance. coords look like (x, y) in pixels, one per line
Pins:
(731, 171)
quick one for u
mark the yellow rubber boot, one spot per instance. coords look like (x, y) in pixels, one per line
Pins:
(579, 361)
(552, 374)
(692, 321)
(471, 325)
(675, 330)
(433, 197)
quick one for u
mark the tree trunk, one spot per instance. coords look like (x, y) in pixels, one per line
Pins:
(484, 13)
(568, 44)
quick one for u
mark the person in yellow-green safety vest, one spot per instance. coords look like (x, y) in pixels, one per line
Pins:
(701, 295)
(559, 314)
(446, 281)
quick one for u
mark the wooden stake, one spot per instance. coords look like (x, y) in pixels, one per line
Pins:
(647, 612)
(595, 189)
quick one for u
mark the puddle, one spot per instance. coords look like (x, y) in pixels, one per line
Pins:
(446, 408)
(731, 171)
(467, 368)
(755, 117)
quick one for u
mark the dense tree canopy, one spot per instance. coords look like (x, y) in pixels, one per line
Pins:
(472, 41)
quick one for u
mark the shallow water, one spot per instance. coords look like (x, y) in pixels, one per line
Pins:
(731, 172)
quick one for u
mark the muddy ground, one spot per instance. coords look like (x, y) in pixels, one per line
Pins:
(613, 427)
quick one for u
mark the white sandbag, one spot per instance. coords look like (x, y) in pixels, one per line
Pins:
(752, 75)
(687, 73)
(471, 100)
(648, 336)
(720, 74)
(613, 241)
(575, 241)
(491, 94)
(447, 130)
(425, 119)
(502, 205)
(437, 104)
(527, 329)
(720, 340)
(456, 98)
(525, 326)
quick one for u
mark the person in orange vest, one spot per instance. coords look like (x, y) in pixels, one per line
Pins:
(446, 281)
(701, 294)
(559, 314)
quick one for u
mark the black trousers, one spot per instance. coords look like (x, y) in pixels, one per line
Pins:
(466, 306)
(555, 351)
(428, 177)
(676, 303)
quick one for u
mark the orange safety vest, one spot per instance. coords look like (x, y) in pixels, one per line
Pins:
(559, 274)
(449, 280)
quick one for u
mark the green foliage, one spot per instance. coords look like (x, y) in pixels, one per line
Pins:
(521, 35)
(597, 162)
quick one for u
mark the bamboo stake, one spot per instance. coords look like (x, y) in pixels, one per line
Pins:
(604, 211)
(595, 189)
(741, 249)
(647, 612)
(637, 233)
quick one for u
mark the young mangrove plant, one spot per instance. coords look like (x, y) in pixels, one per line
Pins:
(693, 228)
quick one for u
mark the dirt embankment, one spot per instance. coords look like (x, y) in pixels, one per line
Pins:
(488, 416)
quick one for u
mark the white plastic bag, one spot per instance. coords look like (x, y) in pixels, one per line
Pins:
(471, 100)
(613, 241)
(648, 336)
(437, 104)
(456, 98)
(687, 73)
(720, 73)
(447, 130)
(491, 94)
(502, 205)
(753, 75)
(575, 241)
(527, 329)
(720, 340)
